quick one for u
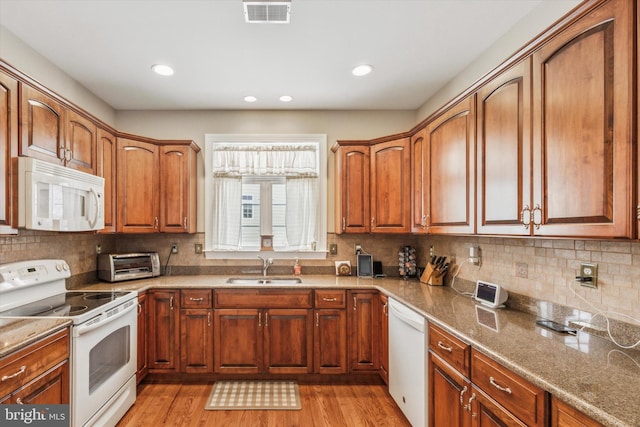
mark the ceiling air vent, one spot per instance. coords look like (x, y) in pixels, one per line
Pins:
(267, 11)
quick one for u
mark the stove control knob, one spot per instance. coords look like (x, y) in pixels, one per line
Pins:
(65, 266)
(58, 267)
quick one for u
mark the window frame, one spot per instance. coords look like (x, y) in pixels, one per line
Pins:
(321, 246)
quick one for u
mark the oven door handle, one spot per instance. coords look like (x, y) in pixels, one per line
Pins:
(100, 321)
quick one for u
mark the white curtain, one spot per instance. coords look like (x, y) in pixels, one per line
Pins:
(297, 162)
(227, 212)
(301, 214)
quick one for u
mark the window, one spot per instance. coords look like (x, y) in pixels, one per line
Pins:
(265, 187)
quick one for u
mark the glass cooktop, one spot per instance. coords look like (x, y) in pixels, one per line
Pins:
(68, 304)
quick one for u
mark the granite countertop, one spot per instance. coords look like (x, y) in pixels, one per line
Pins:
(586, 371)
(18, 333)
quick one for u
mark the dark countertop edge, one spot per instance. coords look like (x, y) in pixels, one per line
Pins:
(378, 284)
(43, 333)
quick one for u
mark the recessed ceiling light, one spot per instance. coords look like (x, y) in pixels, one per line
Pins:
(362, 70)
(163, 70)
(286, 98)
(250, 98)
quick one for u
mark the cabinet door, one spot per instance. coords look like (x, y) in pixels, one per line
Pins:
(391, 187)
(164, 340)
(238, 343)
(563, 415)
(449, 394)
(384, 337)
(80, 143)
(142, 353)
(583, 130)
(504, 153)
(178, 189)
(196, 334)
(106, 168)
(485, 412)
(419, 155)
(450, 161)
(364, 338)
(50, 388)
(330, 341)
(8, 150)
(41, 126)
(138, 187)
(288, 341)
(352, 190)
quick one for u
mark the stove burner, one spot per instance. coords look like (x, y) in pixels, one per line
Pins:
(71, 310)
(32, 310)
(104, 295)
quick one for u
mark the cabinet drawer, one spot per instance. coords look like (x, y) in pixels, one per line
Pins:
(196, 298)
(450, 349)
(517, 395)
(263, 298)
(24, 365)
(330, 298)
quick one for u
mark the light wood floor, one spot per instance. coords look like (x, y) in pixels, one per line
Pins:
(350, 405)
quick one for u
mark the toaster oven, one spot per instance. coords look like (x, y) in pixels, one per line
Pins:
(119, 267)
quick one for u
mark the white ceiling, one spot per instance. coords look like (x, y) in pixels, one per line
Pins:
(416, 47)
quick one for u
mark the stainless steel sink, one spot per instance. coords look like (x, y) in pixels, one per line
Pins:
(264, 280)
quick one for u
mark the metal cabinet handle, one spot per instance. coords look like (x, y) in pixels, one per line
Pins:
(19, 401)
(185, 222)
(526, 223)
(462, 392)
(62, 155)
(266, 319)
(373, 221)
(20, 371)
(260, 319)
(209, 319)
(354, 303)
(344, 224)
(171, 303)
(155, 222)
(444, 347)
(537, 208)
(471, 399)
(139, 308)
(493, 382)
(317, 319)
(385, 309)
(68, 155)
(325, 299)
(196, 299)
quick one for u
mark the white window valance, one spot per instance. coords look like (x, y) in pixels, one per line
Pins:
(285, 159)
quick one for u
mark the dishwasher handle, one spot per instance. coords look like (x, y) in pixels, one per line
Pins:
(406, 315)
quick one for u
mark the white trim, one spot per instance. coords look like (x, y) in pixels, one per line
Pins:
(321, 140)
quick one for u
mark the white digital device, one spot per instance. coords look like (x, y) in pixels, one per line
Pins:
(490, 294)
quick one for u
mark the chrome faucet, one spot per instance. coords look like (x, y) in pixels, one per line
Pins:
(266, 262)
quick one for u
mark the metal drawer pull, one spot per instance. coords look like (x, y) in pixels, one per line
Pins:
(493, 382)
(19, 401)
(471, 399)
(444, 347)
(196, 299)
(20, 371)
(462, 392)
(325, 299)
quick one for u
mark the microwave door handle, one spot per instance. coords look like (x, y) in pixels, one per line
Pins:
(95, 217)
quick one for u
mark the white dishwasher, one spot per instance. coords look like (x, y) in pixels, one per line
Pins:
(407, 362)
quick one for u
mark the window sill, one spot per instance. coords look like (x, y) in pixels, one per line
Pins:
(265, 254)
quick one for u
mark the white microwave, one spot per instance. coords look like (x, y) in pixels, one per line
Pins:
(55, 198)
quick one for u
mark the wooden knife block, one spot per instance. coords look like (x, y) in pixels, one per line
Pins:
(429, 276)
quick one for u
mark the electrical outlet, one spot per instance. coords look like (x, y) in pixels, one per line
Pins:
(589, 275)
(98, 249)
(333, 249)
(432, 251)
(197, 248)
(522, 270)
(358, 248)
(174, 248)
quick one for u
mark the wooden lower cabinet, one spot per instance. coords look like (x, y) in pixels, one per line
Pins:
(449, 392)
(163, 336)
(237, 341)
(330, 341)
(142, 353)
(288, 341)
(37, 374)
(563, 415)
(364, 340)
(384, 337)
(196, 340)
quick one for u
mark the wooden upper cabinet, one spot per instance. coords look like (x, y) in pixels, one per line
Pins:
(80, 143)
(418, 171)
(8, 150)
(504, 152)
(583, 138)
(41, 126)
(178, 194)
(391, 187)
(352, 189)
(449, 165)
(138, 186)
(106, 168)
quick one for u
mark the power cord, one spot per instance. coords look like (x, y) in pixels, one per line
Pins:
(453, 280)
(606, 318)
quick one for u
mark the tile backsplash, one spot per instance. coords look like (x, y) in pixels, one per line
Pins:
(541, 268)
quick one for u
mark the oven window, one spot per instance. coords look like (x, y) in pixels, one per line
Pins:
(108, 356)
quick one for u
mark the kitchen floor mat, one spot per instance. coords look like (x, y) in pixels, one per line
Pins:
(244, 395)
